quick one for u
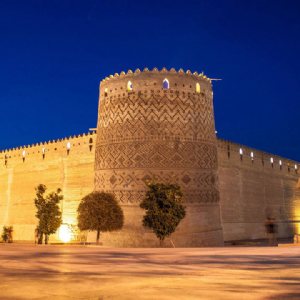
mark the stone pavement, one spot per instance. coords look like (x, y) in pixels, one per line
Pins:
(90, 272)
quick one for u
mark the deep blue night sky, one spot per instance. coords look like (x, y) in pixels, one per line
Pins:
(54, 53)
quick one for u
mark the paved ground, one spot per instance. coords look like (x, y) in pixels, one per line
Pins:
(77, 272)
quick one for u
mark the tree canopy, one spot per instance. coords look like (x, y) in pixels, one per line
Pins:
(100, 211)
(164, 209)
(48, 211)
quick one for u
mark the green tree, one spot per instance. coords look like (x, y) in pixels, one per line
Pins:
(101, 212)
(164, 209)
(7, 234)
(48, 212)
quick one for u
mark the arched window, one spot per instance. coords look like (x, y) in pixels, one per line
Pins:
(91, 144)
(23, 155)
(105, 92)
(129, 86)
(68, 147)
(198, 88)
(166, 84)
(241, 154)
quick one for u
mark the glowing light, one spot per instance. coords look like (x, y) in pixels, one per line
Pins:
(280, 163)
(24, 153)
(241, 151)
(272, 160)
(166, 84)
(198, 89)
(296, 167)
(296, 217)
(129, 86)
(68, 145)
(252, 155)
(65, 234)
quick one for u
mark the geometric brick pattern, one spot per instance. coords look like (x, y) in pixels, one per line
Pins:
(199, 186)
(155, 134)
(156, 117)
(146, 154)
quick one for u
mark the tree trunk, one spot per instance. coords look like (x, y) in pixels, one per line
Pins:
(46, 239)
(161, 243)
(98, 236)
(40, 238)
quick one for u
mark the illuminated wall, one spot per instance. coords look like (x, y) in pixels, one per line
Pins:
(22, 169)
(248, 190)
(159, 125)
(254, 184)
(155, 125)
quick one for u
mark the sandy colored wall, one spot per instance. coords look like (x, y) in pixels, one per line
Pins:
(161, 134)
(73, 173)
(247, 190)
(250, 189)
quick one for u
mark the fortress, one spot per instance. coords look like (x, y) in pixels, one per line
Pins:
(155, 125)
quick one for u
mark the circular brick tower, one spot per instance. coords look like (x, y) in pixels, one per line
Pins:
(159, 125)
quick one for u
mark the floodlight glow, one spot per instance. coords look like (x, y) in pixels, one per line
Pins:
(65, 234)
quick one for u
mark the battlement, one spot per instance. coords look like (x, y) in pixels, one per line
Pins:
(42, 150)
(163, 71)
(155, 81)
(242, 155)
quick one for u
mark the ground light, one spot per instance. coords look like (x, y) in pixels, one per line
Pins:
(65, 234)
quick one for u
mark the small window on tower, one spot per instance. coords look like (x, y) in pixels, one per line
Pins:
(68, 147)
(91, 144)
(129, 86)
(198, 89)
(166, 84)
(105, 92)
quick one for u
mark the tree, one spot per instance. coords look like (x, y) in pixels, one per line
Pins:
(164, 209)
(48, 212)
(101, 212)
(7, 234)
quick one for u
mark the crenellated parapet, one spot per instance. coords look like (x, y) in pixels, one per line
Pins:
(154, 81)
(63, 147)
(241, 155)
(163, 71)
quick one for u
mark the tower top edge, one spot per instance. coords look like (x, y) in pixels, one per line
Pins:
(54, 141)
(172, 71)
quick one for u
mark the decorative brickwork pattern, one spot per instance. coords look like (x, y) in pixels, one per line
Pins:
(156, 134)
(156, 115)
